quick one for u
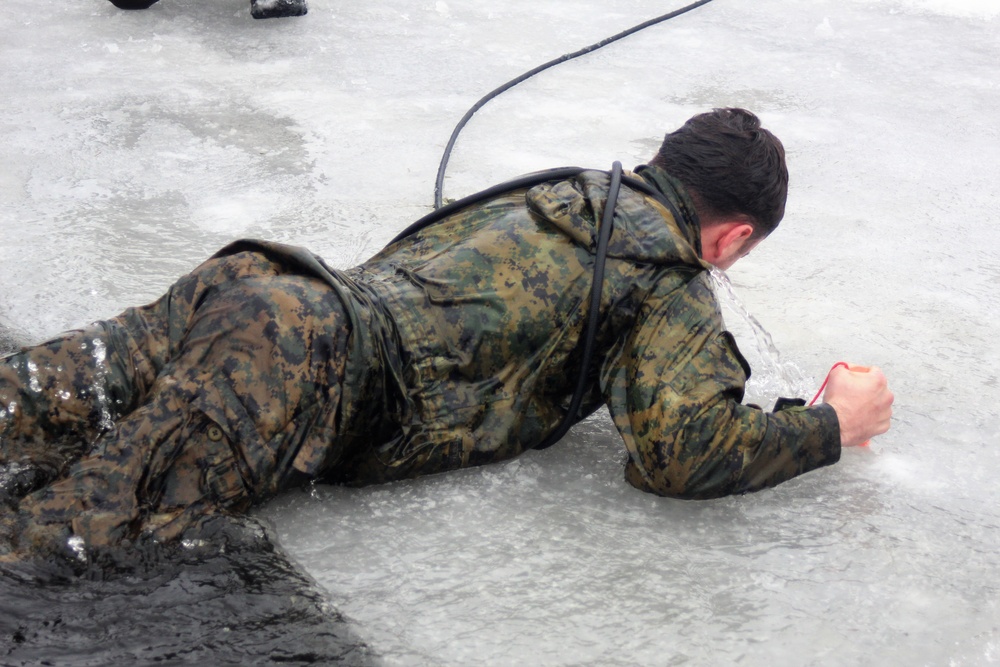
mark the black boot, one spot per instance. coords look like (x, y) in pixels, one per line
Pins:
(271, 9)
(133, 4)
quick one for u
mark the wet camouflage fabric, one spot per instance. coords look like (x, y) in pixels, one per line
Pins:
(488, 310)
(205, 400)
(456, 346)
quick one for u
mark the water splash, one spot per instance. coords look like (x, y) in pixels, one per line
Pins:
(77, 545)
(33, 382)
(107, 420)
(772, 376)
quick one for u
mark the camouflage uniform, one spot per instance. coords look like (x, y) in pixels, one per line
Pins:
(453, 347)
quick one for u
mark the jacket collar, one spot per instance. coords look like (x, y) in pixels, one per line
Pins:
(675, 191)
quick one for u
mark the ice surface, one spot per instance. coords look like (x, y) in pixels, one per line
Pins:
(137, 143)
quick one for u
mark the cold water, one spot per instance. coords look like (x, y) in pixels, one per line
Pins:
(135, 144)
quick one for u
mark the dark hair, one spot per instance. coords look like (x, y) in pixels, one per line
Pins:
(730, 165)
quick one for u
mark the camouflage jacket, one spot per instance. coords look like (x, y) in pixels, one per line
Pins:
(467, 347)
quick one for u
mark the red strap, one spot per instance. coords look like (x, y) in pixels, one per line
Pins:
(823, 386)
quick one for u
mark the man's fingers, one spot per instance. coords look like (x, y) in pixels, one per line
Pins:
(863, 401)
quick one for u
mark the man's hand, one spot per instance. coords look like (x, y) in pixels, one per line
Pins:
(863, 403)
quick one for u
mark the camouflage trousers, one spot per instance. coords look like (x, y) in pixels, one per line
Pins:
(195, 404)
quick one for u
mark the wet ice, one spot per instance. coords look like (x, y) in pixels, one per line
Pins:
(136, 144)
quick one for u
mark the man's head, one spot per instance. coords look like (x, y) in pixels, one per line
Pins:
(735, 172)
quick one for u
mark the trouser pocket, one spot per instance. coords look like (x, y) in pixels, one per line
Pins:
(204, 473)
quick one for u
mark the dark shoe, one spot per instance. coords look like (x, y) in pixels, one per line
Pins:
(272, 9)
(133, 4)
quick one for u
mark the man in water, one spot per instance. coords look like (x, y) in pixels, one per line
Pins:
(457, 345)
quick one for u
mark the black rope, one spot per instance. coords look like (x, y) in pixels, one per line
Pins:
(594, 312)
(439, 182)
(528, 181)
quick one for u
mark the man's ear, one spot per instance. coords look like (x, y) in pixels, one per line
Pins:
(733, 239)
(722, 242)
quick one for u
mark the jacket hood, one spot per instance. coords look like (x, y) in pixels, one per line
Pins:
(644, 230)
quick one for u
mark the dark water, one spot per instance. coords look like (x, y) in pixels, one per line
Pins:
(228, 597)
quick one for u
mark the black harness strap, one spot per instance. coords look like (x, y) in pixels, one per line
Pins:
(528, 181)
(594, 311)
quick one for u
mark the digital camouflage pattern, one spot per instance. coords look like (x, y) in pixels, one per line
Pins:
(202, 401)
(456, 346)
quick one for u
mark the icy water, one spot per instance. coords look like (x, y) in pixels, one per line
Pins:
(228, 597)
(135, 144)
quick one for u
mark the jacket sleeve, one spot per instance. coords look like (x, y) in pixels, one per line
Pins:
(674, 391)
